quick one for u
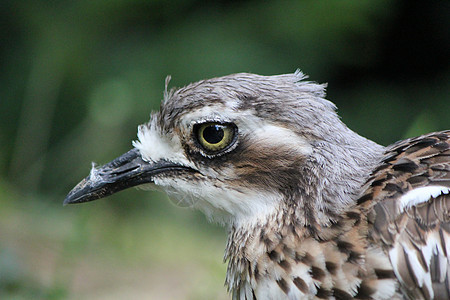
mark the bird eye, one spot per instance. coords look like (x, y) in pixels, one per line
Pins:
(214, 137)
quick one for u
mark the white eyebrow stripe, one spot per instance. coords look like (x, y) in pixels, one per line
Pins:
(421, 195)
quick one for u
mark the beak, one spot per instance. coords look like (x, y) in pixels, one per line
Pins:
(126, 171)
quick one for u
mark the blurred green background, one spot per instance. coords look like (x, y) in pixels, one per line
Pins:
(77, 77)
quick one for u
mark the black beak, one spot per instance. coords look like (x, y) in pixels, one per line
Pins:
(126, 171)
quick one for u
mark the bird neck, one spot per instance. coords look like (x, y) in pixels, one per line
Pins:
(333, 177)
(302, 231)
(280, 259)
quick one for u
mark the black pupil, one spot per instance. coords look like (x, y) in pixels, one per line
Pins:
(213, 134)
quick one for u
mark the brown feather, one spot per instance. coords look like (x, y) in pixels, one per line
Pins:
(409, 164)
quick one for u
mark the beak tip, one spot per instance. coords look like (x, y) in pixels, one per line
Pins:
(125, 171)
(80, 193)
(68, 200)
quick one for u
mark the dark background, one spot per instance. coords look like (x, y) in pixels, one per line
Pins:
(77, 77)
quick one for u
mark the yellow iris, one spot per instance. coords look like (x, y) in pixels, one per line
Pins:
(215, 136)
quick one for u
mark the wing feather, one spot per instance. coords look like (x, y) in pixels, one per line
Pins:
(408, 199)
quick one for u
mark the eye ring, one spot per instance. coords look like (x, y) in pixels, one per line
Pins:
(215, 137)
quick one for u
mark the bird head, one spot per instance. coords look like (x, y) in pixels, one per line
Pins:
(242, 147)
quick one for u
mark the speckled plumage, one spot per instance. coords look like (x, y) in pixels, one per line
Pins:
(313, 210)
(351, 258)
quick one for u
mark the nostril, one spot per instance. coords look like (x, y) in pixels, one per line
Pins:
(124, 170)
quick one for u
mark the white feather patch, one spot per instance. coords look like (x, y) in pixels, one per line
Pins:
(273, 135)
(385, 289)
(432, 248)
(154, 147)
(421, 195)
(93, 174)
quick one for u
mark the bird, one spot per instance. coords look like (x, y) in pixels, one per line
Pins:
(312, 209)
